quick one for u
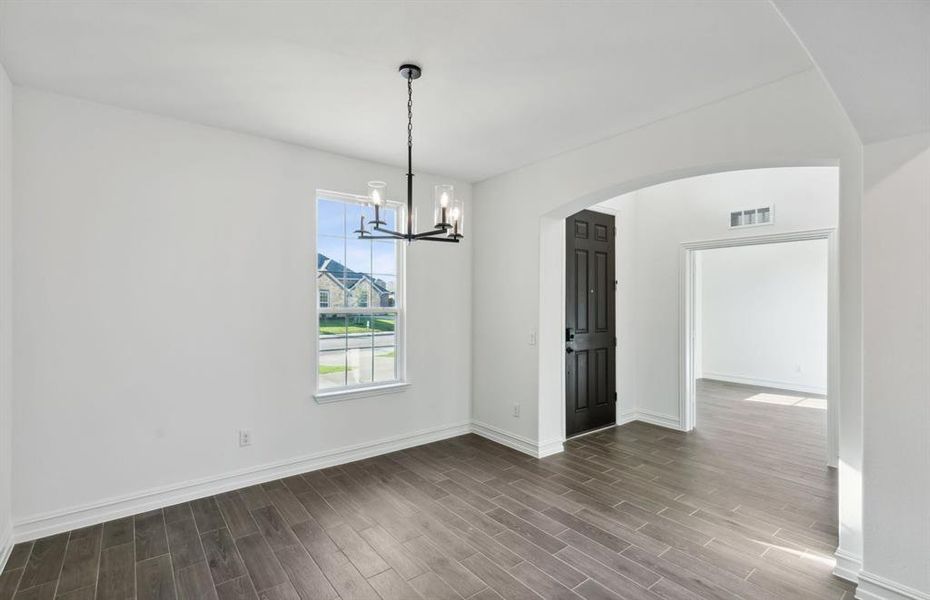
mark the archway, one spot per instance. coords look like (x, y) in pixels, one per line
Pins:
(551, 390)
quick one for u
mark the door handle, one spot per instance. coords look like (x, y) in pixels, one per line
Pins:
(569, 350)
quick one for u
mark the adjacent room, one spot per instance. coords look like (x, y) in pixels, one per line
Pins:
(760, 345)
(319, 300)
(761, 317)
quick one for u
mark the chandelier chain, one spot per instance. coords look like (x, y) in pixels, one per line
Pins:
(409, 112)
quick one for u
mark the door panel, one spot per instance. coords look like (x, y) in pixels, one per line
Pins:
(581, 290)
(601, 303)
(590, 344)
(581, 383)
(601, 375)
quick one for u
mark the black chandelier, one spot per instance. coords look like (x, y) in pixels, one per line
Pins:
(449, 212)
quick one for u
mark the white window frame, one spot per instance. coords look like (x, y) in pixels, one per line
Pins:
(320, 298)
(399, 383)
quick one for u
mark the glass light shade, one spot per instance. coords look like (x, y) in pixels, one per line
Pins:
(377, 193)
(457, 218)
(443, 197)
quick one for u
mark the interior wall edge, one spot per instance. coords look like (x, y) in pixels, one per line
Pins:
(6, 547)
(6, 319)
(123, 506)
(847, 566)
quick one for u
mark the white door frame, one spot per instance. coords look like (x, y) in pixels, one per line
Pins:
(687, 323)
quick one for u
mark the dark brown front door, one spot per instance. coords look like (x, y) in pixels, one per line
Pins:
(590, 338)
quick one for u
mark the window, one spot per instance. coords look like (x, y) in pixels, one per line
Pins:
(360, 308)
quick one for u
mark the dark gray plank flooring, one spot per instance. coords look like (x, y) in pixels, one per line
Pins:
(740, 508)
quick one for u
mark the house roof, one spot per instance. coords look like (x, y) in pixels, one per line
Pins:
(346, 277)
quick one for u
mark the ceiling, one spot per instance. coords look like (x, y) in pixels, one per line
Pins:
(876, 57)
(505, 83)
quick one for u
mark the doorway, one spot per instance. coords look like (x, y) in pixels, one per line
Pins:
(793, 377)
(590, 322)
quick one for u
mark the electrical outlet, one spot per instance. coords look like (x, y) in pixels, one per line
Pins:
(797, 368)
(533, 338)
(516, 410)
(245, 437)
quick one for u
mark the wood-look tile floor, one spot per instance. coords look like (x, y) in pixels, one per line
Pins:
(740, 508)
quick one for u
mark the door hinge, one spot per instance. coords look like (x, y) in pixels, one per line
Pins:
(615, 396)
(615, 341)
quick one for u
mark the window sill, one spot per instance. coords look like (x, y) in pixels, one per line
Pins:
(364, 392)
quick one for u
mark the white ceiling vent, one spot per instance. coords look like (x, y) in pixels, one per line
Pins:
(751, 217)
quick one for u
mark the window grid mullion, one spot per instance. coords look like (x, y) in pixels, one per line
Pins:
(345, 350)
(371, 310)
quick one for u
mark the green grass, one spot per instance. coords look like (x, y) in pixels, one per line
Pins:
(337, 326)
(327, 369)
(387, 355)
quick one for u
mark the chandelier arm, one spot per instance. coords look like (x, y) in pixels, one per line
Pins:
(390, 232)
(382, 237)
(437, 239)
(427, 234)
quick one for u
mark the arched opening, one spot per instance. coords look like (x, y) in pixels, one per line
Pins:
(552, 291)
(551, 354)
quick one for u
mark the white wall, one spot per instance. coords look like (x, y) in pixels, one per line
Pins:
(6, 331)
(164, 299)
(793, 121)
(764, 314)
(662, 217)
(896, 283)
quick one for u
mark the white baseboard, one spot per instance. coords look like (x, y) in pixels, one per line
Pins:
(770, 383)
(847, 566)
(660, 419)
(651, 417)
(626, 416)
(517, 442)
(874, 587)
(549, 448)
(124, 506)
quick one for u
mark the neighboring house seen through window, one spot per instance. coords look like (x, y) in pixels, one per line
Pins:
(359, 308)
